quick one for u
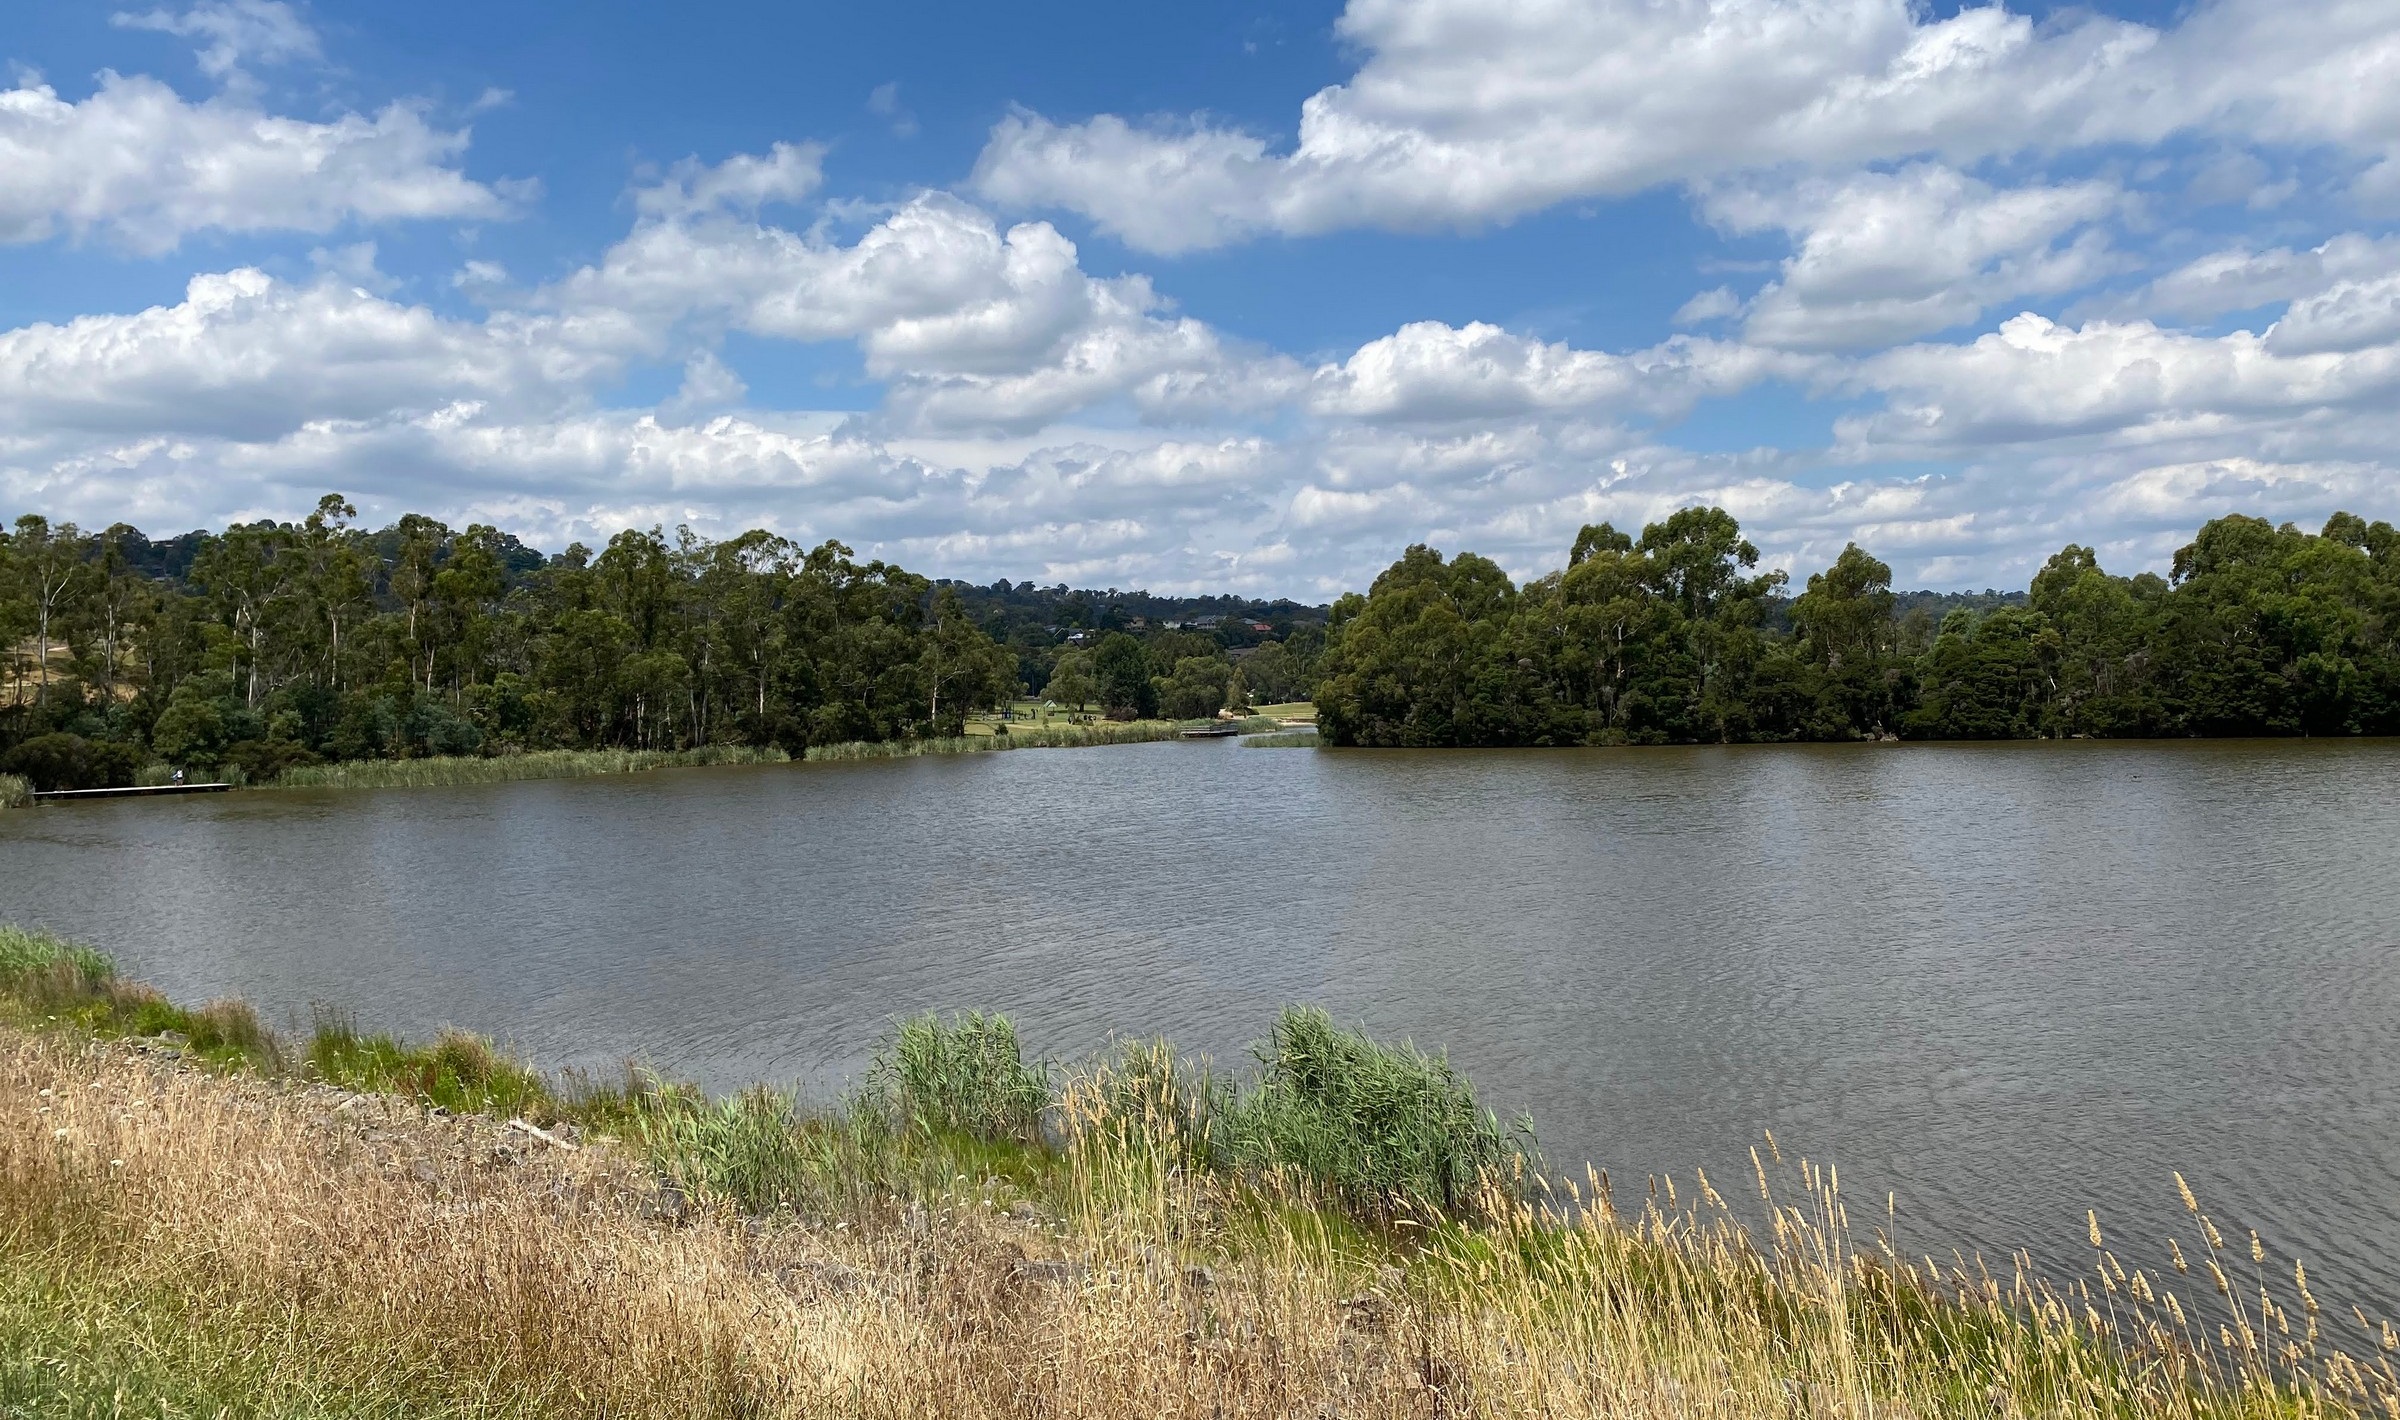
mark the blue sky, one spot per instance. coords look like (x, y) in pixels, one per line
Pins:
(1230, 297)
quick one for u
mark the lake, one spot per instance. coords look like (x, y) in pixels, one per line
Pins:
(2003, 983)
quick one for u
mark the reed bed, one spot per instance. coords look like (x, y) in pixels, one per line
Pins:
(16, 791)
(1283, 739)
(176, 1240)
(446, 770)
(1032, 736)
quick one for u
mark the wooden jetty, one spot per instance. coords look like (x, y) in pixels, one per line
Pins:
(1211, 732)
(63, 795)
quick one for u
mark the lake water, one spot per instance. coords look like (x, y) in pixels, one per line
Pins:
(2004, 983)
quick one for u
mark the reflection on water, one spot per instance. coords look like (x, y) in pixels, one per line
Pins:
(2004, 983)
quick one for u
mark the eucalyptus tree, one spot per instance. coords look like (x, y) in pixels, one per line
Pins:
(335, 579)
(48, 567)
(247, 579)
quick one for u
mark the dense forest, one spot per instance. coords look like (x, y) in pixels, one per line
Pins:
(274, 644)
(1676, 637)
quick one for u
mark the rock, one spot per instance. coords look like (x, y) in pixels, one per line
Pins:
(822, 1279)
(172, 1037)
(668, 1205)
(531, 1130)
(1047, 1272)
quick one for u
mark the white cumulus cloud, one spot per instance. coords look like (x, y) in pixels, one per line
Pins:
(232, 32)
(972, 327)
(248, 357)
(2241, 279)
(138, 164)
(1885, 257)
(1469, 111)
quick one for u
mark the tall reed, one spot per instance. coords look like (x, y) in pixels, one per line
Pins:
(446, 770)
(1283, 739)
(1018, 736)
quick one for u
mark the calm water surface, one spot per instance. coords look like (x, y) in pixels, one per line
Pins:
(2003, 983)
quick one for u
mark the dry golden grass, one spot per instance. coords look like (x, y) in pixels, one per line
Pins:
(178, 1242)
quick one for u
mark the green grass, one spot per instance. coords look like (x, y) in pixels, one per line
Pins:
(71, 1350)
(443, 771)
(16, 791)
(1283, 739)
(463, 1073)
(46, 979)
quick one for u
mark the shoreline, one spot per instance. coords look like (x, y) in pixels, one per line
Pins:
(436, 1228)
(443, 771)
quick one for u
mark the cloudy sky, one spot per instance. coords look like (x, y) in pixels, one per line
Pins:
(1223, 296)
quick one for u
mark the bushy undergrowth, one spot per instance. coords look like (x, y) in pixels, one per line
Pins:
(445, 770)
(16, 791)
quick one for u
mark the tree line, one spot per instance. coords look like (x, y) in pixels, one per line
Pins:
(272, 644)
(279, 643)
(1675, 637)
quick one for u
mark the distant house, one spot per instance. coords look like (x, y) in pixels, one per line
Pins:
(1258, 626)
(1207, 623)
(1172, 625)
(1079, 638)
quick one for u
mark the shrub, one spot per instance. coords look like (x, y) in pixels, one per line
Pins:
(16, 791)
(262, 761)
(967, 1075)
(64, 761)
(1381, 1128)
